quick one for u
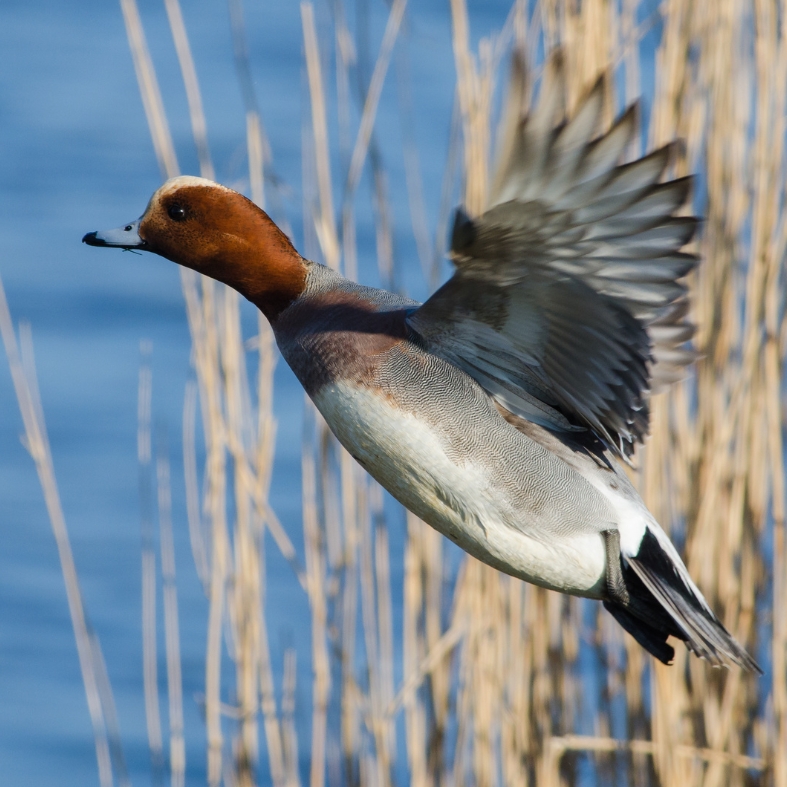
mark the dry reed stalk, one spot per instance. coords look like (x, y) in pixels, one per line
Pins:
(193, 95)
(177, 745)
(205, 350)
(197, 535)
(283, 767)
(271, 722)
(203, 331)
(446, 198)
(384, 622)
(346, 59)
(149, 633)
(415, 713)
(165, 154)
(206, 355)
(474, 91)
(289, 735)
(372, 98)
(324, 223)
(349, 612)
(149, 90)
(374, 711)
(587, 743)
(243, 590)
(99, 698)
(412, 167)
(315, 568)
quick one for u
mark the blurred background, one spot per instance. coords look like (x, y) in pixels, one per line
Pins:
(255, 609)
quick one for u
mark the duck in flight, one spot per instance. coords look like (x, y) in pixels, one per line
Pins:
(498, 410)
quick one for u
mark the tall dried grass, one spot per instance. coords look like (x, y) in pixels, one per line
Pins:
(100, 701)
(501, 682)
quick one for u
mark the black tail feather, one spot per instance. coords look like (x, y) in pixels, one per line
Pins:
(652, 639)
(662, 603)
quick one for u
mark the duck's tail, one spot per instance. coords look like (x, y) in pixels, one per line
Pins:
(662, 601)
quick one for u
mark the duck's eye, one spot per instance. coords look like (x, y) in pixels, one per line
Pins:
(176, 212)
(127, 228)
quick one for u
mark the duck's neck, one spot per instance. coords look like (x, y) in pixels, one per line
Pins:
(270, 272)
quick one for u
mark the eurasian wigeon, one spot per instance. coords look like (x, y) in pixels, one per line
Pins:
(496, 410)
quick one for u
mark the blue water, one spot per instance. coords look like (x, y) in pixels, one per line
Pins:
(75, 156)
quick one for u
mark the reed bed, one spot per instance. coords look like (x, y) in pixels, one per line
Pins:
(489, 681)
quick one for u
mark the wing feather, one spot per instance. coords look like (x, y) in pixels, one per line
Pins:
(567, 303)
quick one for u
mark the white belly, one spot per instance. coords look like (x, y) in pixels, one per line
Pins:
(408, 458)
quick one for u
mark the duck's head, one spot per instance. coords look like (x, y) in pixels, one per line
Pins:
(216, 231)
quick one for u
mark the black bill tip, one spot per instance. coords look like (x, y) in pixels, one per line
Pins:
(92, 239)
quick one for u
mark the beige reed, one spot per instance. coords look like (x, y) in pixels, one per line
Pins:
(502, 683)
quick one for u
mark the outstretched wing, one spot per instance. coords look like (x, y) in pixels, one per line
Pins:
(566, 304)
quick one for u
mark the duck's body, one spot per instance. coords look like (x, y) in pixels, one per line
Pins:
(435, 440)
(495, 411)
